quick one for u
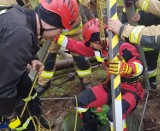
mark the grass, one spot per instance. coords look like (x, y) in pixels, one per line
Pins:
(34, 3)
(120, 2)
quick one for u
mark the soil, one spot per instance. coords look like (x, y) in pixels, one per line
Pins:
(55, 108)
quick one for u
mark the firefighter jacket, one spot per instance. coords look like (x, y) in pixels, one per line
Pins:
(145, 36)
(150, 6)
(126, 50)
(7, 2)
(18, 45)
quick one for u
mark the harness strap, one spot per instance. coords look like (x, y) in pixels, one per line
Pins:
(130, 80)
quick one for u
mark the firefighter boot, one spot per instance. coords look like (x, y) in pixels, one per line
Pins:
(35, 110)
(90, 121)
(42, 89)
(153, 82)
(90, 125)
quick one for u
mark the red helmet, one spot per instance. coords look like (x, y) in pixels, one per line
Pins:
(90, 27)
(66, 9)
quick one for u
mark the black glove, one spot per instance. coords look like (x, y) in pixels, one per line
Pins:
(129, 3)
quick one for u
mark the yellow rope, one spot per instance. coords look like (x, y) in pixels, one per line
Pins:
(75, 123)
(100, 7)
(33, 85)
(38, 126)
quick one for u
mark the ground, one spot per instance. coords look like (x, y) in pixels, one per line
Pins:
(56, 109)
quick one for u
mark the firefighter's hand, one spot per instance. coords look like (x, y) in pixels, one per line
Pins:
(60, 39)
(119, 67)
(136, 17)
(37, 65)
(114, 26)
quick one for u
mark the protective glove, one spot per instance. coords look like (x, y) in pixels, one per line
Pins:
(129, 3)
(119, 66)
(14, 122)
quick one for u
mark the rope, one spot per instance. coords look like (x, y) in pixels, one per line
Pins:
(144, 109)
(35, 120)
(33, 85)
(75, 123)
(101, 22)
(61, 98)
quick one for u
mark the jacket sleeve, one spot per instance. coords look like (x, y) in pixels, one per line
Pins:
(151, 6)
(144, 36)
(131, 55)
(77, 47)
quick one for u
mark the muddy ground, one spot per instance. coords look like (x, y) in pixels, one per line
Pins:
(55, 109)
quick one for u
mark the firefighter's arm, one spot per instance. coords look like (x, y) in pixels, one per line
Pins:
(74, 46)
(145, 36)
(124, 68)
(127, 62)
(132, 57)
(119, 66)
(151, 6)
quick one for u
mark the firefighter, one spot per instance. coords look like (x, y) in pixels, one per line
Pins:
(129, 66)
(81, 63)
(147, 19)
(19, 33)
(144, 36)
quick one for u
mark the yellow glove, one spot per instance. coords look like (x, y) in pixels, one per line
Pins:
(119, 66)
(14, 122)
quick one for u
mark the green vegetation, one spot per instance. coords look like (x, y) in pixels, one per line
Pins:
(34, 3)
(120, 2)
